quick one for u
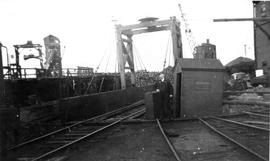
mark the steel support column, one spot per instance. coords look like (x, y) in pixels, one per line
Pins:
(120, 58)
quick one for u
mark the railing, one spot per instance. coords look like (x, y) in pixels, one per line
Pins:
(22, 73)
(13, 73)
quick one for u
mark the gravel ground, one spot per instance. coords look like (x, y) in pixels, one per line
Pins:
(197, 143)
(138, 142)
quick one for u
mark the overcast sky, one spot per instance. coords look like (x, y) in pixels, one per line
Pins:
(86, 28)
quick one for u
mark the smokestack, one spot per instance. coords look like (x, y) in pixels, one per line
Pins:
(207, 41)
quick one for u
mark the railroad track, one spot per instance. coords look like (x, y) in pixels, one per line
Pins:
(250, 118)
(257, 114)
(172, 148)
(252, 139)
(48, 145)
(265, 111)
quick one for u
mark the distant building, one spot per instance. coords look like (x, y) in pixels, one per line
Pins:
(205, 50)
(84, 71)
(241, 64)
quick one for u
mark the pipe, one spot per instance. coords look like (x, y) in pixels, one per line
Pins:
(7, 55)
(1, 78)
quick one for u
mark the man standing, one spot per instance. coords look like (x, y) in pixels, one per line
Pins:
(165, 90)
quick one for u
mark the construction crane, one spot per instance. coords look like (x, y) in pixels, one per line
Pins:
(188, 32)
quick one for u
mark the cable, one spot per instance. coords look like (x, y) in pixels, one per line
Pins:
(64, 51)
(116, 63)
(100, 87)
(135, 55)
(135, 62)
(140, 63)
(167, 48)
(89, 84)
(101, 84)
(170, 52)
(115, 70)
(140, 60)
(170, 55)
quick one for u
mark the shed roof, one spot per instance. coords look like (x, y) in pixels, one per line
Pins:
(240, 60)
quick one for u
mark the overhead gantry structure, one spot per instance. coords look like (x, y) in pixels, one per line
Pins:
(124, 41)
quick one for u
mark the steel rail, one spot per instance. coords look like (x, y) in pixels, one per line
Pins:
(138, 115)
(84, 137)
(76, 124)
(255, 114)
(240, 123)
(234, 141)
(168, 141)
